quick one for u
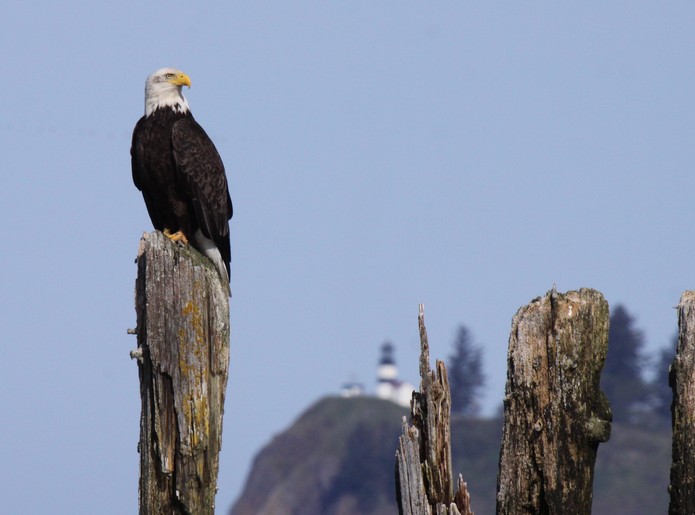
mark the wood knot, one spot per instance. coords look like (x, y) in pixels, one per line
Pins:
(599, 430)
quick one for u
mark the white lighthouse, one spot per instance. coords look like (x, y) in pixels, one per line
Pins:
(387, 384)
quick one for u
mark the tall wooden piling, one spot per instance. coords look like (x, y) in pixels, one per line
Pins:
(183, 361)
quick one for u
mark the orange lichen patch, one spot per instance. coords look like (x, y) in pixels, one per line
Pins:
(196, 415)
(192, 311)
(193, 354)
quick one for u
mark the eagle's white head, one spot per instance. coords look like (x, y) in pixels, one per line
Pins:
(163, 89)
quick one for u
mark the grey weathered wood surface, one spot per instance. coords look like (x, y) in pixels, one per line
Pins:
(682, 381)
(423, 458)
(183, 362)
(555, 414)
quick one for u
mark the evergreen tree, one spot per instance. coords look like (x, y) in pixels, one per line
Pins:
(660, 390)
(622, 379)
(465, 370)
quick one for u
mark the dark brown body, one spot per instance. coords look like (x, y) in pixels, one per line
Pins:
(182, 178)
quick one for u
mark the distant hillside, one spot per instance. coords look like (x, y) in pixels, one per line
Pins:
(338, 459)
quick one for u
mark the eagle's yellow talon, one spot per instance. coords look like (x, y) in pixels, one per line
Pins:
(177, 236)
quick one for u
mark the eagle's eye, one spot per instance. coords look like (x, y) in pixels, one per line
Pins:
(169, 76)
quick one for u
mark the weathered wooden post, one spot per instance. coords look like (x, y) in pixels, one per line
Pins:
(682, 381)
(183, 362)
(423, 458)
(555, 414)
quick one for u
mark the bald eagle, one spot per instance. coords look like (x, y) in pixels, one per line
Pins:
(179, 171)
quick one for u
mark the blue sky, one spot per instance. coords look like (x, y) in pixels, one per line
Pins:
(380, 154)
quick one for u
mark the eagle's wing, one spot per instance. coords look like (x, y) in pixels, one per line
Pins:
(136, 156)
(201, 173)
(137, 151)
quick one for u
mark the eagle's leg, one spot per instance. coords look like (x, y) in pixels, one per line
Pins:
(177, 236)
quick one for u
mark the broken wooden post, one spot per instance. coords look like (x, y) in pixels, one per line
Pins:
(183, 361)
(423, 458)
(682, 381)
(555, 414)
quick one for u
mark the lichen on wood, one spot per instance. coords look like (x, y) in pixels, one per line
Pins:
(555, 414)
(183, 361)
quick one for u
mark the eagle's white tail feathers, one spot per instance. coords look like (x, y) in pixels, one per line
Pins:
(210, 250)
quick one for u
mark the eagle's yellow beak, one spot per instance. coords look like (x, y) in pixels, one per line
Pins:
(181, 79)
